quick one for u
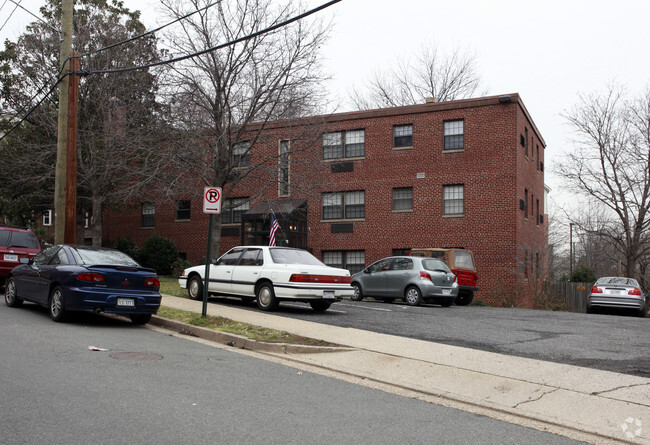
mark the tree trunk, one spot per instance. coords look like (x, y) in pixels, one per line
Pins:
(96, 220)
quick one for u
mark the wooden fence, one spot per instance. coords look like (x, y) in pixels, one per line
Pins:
(573, 294)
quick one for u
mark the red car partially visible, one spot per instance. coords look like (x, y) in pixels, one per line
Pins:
(14, 245)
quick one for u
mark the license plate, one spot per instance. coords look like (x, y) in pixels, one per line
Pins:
(329, 294)
(11, 257)
(126, 302)
(446, 291)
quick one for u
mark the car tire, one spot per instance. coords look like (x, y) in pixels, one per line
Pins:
(413, 296)
(195, 288)
(140, 318)
(358, 293)
(464, 298)
(57, 305)
(265, 297)
(643, 312)
(11, 297)
(320, 306)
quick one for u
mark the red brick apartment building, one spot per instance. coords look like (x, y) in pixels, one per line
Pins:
(465, 173)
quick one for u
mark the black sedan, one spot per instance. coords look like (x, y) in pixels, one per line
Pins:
(67, 278)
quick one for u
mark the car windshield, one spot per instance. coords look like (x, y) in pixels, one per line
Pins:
(435, 265)
(11, 238)
(105, 257)
(294, 256)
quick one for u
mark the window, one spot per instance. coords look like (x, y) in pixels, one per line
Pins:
(526, 204)
(241, 154)
(537, 148)
(344, 144)
(232, 210)
(526, 143)
(352, 260)
(403, 198)
(454, 138)
(148, 214)
(401, 252)
(453, 199)
(537, 218)
(283, 169)
(47, 218)
(344, 205)
(183, 210)
(402, 136)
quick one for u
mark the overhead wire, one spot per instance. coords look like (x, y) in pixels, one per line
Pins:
(178, 59)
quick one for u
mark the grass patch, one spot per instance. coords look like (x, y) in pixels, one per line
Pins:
(169, 286)
(235, 327)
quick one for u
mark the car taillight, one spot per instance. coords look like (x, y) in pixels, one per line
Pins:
(91, 277)
(596, 290)
(636, 291)
(155, 282)
(309, 278)
(425, 275)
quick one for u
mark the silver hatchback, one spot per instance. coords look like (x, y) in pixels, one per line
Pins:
(414, 279)
(617, 292)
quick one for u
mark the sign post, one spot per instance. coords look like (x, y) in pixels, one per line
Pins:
(211, 206)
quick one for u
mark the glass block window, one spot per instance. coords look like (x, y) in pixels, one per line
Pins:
(454, 138)
(403, 198)
(183, 209)
(453, 200)
(148, 214)
(344, 144)
(344, 205)
(283, 173)
(352, 260)
(402, 136)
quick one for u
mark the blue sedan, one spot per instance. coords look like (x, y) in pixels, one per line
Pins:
(67, 278)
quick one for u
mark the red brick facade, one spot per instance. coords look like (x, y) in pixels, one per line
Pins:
(500, 169)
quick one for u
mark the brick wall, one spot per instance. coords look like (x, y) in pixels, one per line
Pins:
(492, 167)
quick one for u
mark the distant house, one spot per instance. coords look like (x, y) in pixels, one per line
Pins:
(465, 173)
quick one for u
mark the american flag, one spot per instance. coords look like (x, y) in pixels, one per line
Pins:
(274, 228)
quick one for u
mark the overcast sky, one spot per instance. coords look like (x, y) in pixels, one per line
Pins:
(547, 51)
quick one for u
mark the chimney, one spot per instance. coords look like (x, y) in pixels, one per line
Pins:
(431, 100)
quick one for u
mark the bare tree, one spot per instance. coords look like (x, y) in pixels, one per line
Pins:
(611, 165)
(433, 74)
(223, 99)
(118, 115)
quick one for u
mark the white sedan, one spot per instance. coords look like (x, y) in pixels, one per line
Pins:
(269, 275)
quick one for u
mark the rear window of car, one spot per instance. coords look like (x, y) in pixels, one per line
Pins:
(435, 265)
(463, 259)
(294, 256)
(105, 257)
(14, 238)
(618, 281)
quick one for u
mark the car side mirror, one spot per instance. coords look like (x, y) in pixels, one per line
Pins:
(214, 261)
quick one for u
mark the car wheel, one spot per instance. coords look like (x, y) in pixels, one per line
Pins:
(266, 297)
(412, 296)
(140, 318)
(643, 312)
(320, 306)
(57, 305)
(195, 288)
(358, 294)
(11, 298)
(464, 298)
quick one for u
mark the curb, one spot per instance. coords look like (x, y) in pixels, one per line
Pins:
(239, 341)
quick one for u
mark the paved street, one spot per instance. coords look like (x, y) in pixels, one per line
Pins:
(174, 390)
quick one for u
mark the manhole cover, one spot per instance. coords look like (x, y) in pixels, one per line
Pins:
(135, 356)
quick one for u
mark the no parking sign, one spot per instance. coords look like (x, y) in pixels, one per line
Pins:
(212, 200)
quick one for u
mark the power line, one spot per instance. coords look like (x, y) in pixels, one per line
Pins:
(214, 48)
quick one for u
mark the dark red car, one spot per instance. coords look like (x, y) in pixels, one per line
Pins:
(14, 245)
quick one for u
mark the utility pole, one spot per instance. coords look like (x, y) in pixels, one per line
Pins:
(570, 251)
(70, 236)
(67, 9)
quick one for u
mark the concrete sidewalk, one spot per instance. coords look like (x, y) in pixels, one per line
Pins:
(586, 404)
